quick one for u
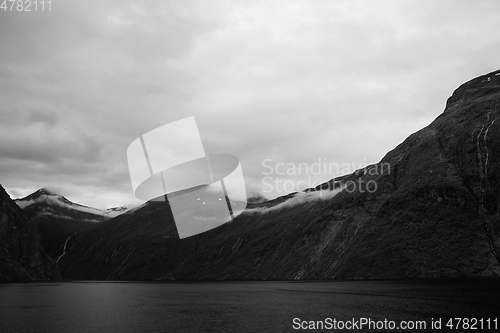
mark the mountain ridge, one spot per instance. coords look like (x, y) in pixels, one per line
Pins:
(433, 213)
(57, 218)
(50, 197)
(22, 258)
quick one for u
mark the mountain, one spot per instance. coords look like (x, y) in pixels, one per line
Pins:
(57, 218)
(429, 208)
(46, 202)
(22, 257)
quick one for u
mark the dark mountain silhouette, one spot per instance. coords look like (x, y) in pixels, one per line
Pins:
(57, 218)
(429, 208)
(22, 257)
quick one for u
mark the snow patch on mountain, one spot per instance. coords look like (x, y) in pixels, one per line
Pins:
(52, 199)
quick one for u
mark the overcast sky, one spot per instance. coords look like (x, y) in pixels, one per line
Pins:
(275, 81)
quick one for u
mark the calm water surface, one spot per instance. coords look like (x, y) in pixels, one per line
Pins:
(235, 306)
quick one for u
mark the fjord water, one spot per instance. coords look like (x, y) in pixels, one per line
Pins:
(235, 306)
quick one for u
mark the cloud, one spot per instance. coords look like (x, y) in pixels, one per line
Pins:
(298, 199)
(52, 146)
(293, 81)
(45, 117)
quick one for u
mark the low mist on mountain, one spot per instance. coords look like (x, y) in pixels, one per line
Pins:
(429, 208)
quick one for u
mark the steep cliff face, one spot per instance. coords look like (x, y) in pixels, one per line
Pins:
(57, 219)
(429, 208)
(436, 213)
(21, 255)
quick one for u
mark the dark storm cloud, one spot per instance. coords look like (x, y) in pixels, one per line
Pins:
(41, 145)
(43, 116)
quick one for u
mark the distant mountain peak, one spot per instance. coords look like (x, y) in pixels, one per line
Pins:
(58, 203)
(23, 258)
(42, 194)
(46, 191)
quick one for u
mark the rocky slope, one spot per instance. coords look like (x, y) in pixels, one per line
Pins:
(57, 218)
(22, 257)
(429, 208)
